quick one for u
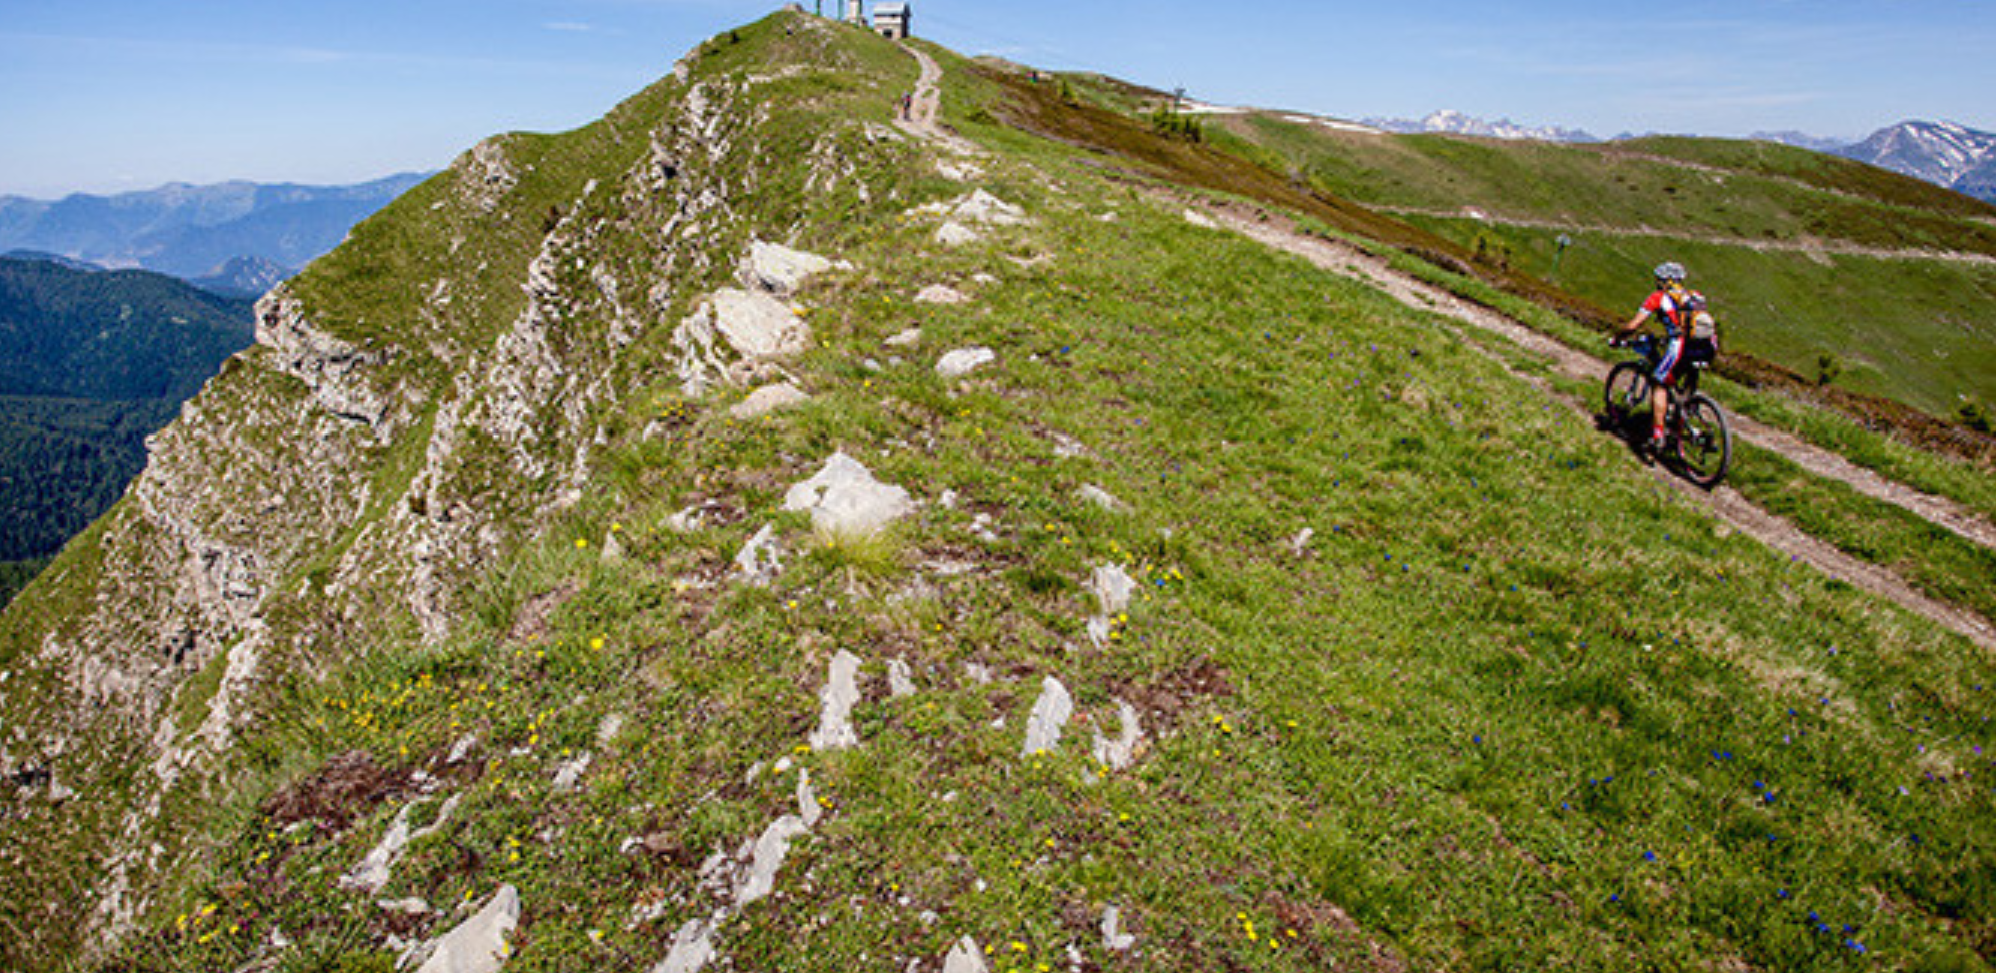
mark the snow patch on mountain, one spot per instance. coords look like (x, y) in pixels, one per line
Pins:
(1449, 122)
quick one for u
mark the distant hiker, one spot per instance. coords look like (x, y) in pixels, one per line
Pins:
(907, 104)
(1675, 306)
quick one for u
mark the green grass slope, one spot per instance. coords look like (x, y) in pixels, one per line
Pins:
(1748, 218)
(1508, 705)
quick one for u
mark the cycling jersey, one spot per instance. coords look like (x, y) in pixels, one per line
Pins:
(1670, 309)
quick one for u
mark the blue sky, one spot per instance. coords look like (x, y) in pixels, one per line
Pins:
(113, 95)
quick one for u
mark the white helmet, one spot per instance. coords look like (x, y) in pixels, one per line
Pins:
(1671, 271)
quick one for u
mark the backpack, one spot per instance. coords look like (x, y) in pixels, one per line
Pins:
(1701, 330)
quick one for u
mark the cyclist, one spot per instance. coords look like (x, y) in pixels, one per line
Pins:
(1671, 303)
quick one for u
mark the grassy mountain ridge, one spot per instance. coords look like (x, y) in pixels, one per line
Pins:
(1806, 254)
(459, 542)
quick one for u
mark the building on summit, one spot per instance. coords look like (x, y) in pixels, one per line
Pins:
(893, 20)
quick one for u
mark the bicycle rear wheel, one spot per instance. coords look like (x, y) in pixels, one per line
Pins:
(1626, 391)
(1704, 442)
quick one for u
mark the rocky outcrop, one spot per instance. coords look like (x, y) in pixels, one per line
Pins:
(335, 371)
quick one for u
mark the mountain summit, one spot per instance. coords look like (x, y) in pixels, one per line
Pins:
(852, 507)
(1943, 153)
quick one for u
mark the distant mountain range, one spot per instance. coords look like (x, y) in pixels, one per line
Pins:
(198, 231)
(1943, 153)
(1446, 122)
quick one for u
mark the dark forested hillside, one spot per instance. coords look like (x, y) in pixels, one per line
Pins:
(125, 334)
(90, 364)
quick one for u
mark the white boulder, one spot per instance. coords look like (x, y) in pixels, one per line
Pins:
(478, 944)
(781, 270)
(845, 499)
(757, 325)
(1050, 714)
(768, 399)
(963, 361)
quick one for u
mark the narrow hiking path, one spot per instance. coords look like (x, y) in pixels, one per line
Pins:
(1726, 503)
(925, 106)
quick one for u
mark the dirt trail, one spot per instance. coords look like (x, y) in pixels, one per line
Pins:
(925, 104)
(1725, 502)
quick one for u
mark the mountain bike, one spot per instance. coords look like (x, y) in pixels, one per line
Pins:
(1697, 441)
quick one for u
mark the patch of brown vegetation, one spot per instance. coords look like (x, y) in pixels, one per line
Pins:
(1176, 690)
(346, 787)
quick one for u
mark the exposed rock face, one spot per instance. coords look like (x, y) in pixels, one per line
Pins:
(736, 336)
(781, 270)
(335, 370)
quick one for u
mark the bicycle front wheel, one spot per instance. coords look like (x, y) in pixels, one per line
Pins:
(1704, 443)
(1627, 391)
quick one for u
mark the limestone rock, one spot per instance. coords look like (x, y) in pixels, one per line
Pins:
(761, 559)
(374, 871)
(954, 234)
(1112, 587)
(692, 948)
(569, 772)
(1119, 753)
(333, 369)
(940, 294)
(963, 361)
(767, 399)
(757, 325)
(1050, 714)
(1091, 493)
(477, 945)
(845, 499)
(1301, 542)
(1113, 937)
(841, 691)
(781, 270)
(900, 678)
(965, 957)
(770, 850)
(982, 207)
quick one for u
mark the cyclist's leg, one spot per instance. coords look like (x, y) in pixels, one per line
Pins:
(1659, 396)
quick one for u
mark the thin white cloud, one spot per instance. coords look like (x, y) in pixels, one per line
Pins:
(213, 52)
(569, 27)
